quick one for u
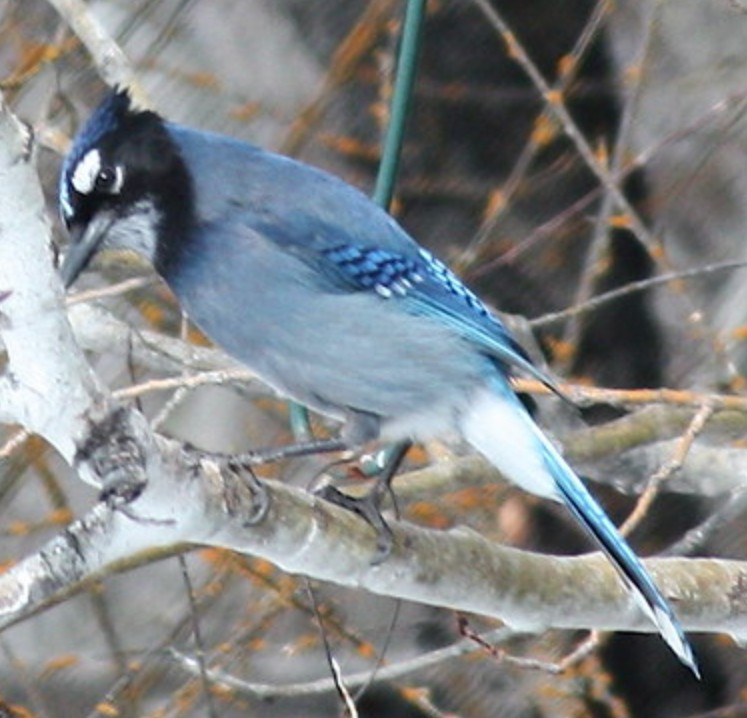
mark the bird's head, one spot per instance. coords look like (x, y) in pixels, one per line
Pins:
(121, 178)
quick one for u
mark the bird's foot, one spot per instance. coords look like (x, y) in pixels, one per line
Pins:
(368, 507)
(260, 495)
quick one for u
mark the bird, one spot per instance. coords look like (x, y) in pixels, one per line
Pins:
(319, 291)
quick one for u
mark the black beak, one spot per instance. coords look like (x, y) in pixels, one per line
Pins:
(84, 243)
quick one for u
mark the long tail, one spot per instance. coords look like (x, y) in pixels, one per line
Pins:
(499, 427)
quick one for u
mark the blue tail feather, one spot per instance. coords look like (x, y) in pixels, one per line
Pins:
(498, 426)
(591, 516)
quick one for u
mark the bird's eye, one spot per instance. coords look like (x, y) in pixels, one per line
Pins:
(106, 180)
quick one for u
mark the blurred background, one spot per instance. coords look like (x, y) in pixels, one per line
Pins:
(645, 177)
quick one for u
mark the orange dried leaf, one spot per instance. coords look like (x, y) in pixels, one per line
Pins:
(203, 79)
(657, 252)
(247, 111)
(17, 711)
(739, 333)
(410, 693)
(195, 336)
(566, 64)
(351, 147)
(620, 221)
(255, 644)
(152, 312)
(366, 650)
(554, 97)
(262, 567)
(495, 204)
(379, 111)
(107, 709)
(472, 498)
(545, 131)
(512, 45)
(18, 528)
(632, 74)
(561, 350)
(306, 641)
(58, 664)
(222, 691)
(61, 516)
(602, 154)
(418, 455)
(216, 556)
(429, 514)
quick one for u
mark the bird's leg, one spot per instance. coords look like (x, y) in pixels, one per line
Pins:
(368, 507)
(274, 453)
(289, 451)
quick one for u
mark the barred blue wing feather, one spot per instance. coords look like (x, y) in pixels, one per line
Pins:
(428, 287)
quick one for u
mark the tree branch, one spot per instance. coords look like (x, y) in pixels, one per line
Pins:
(191, 503)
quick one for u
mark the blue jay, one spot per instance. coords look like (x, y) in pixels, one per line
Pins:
(321, 293)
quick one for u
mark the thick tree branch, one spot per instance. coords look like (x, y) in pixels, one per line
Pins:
(53, 383)
(192, 503)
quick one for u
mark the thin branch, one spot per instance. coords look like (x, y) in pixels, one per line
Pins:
(555, 668)
(585, 396)
(13, 443)
(695, 539)
(110, 290)
(554, 102)
(667, 469)
(111, 63)
(393, 672)
(200, 653)
(99, 331)
(599, 300)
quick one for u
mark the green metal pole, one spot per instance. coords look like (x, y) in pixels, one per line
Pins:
(412, 31)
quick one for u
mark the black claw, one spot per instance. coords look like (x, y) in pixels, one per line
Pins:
(262, 499)
(121, 490)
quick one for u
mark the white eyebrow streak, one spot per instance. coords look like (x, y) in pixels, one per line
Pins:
(86, 171)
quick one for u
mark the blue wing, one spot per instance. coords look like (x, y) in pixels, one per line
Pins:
(351, 244)
(406, 273)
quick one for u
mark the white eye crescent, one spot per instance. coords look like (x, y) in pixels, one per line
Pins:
(90, 175)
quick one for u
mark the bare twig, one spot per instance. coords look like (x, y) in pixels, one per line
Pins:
(631, 288)
(112, 65)
(666, 470)
(393, 672)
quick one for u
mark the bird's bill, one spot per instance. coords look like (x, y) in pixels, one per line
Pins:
(84, 243)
